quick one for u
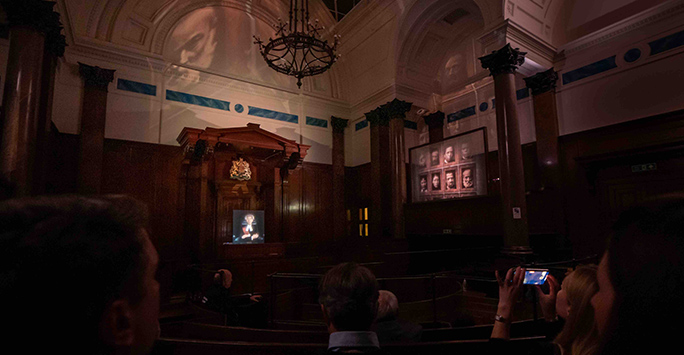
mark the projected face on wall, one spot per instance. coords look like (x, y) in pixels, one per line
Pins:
(436, 183)
(450, 177)
(468, 182)
(465, 151)
(218, 39)
(449, 154)
(434, 158)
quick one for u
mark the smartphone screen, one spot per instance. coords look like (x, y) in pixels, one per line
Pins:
(535, 276)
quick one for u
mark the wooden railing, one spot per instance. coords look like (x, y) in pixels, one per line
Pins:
(174, 346)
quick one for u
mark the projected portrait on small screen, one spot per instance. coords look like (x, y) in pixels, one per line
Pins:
(248, 227)
(436, 181)
(423, 184)
(450, 177)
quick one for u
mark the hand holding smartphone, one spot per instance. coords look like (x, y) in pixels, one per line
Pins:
(535, 276)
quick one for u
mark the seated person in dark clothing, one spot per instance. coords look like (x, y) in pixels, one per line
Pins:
(77, 274)
(348, 295)
(218, 297)
(388, 327)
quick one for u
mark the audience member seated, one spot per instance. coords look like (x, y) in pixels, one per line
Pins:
(348, 295)
(568, 315)
(218, 297)
(388, 327)
(77, 274)
(639, 307)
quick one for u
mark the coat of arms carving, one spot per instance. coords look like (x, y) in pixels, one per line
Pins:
(240, 170)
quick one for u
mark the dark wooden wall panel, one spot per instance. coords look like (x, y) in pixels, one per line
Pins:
(149, 172)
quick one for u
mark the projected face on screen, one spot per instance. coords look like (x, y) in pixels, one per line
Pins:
(248, 227)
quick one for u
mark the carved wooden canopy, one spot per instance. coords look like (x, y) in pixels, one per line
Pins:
(250, 138)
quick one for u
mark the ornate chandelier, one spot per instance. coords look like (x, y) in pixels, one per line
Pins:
(297, 49)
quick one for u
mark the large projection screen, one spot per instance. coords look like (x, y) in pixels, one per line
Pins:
(454, 168)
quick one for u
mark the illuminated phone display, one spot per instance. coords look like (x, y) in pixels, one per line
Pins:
(535, 276)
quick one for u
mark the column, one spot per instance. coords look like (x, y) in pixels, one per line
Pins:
(502, 65)
(435, 122)
(96, 81)
(543, 86)
(396, 110)
(388, 169)
(381, 191)
(339, 210)
(34, 26)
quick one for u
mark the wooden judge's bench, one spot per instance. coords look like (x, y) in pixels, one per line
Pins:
(226, 169)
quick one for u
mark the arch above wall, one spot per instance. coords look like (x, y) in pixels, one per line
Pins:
(429, 35)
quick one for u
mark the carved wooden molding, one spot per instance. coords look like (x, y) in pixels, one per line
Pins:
(251, 136)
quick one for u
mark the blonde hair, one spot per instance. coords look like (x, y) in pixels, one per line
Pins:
(580, 335)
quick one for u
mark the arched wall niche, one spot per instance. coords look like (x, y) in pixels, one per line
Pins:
(432, 33)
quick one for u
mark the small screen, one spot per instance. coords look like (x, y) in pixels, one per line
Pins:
(248, 227)
(535, 276)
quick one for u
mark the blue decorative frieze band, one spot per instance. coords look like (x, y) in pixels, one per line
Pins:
(589, 70)
(522, 93)
(458, 115)
(666, 43)
(313, 121)
(361, 125)
(274, 115)
(197, 100)
(134, 86)
(410, 124)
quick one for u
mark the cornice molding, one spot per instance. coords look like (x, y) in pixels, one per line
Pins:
(104, 51)
(650, 16)
(95, 76)
(509, 31)
(116, 55)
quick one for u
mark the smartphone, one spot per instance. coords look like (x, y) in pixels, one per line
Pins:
(535, 276)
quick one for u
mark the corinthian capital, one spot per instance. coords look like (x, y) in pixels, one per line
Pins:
(338, 124)
(542, 82)
(96, 76)
(37, 14)
(505, 60)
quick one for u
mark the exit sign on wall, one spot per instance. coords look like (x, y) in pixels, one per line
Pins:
(644, 167)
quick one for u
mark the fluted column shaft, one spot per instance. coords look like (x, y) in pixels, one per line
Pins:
(339, 217)
(543, 87)
(388, 163)
(35, 33)
(96, 81)
(502, 65)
